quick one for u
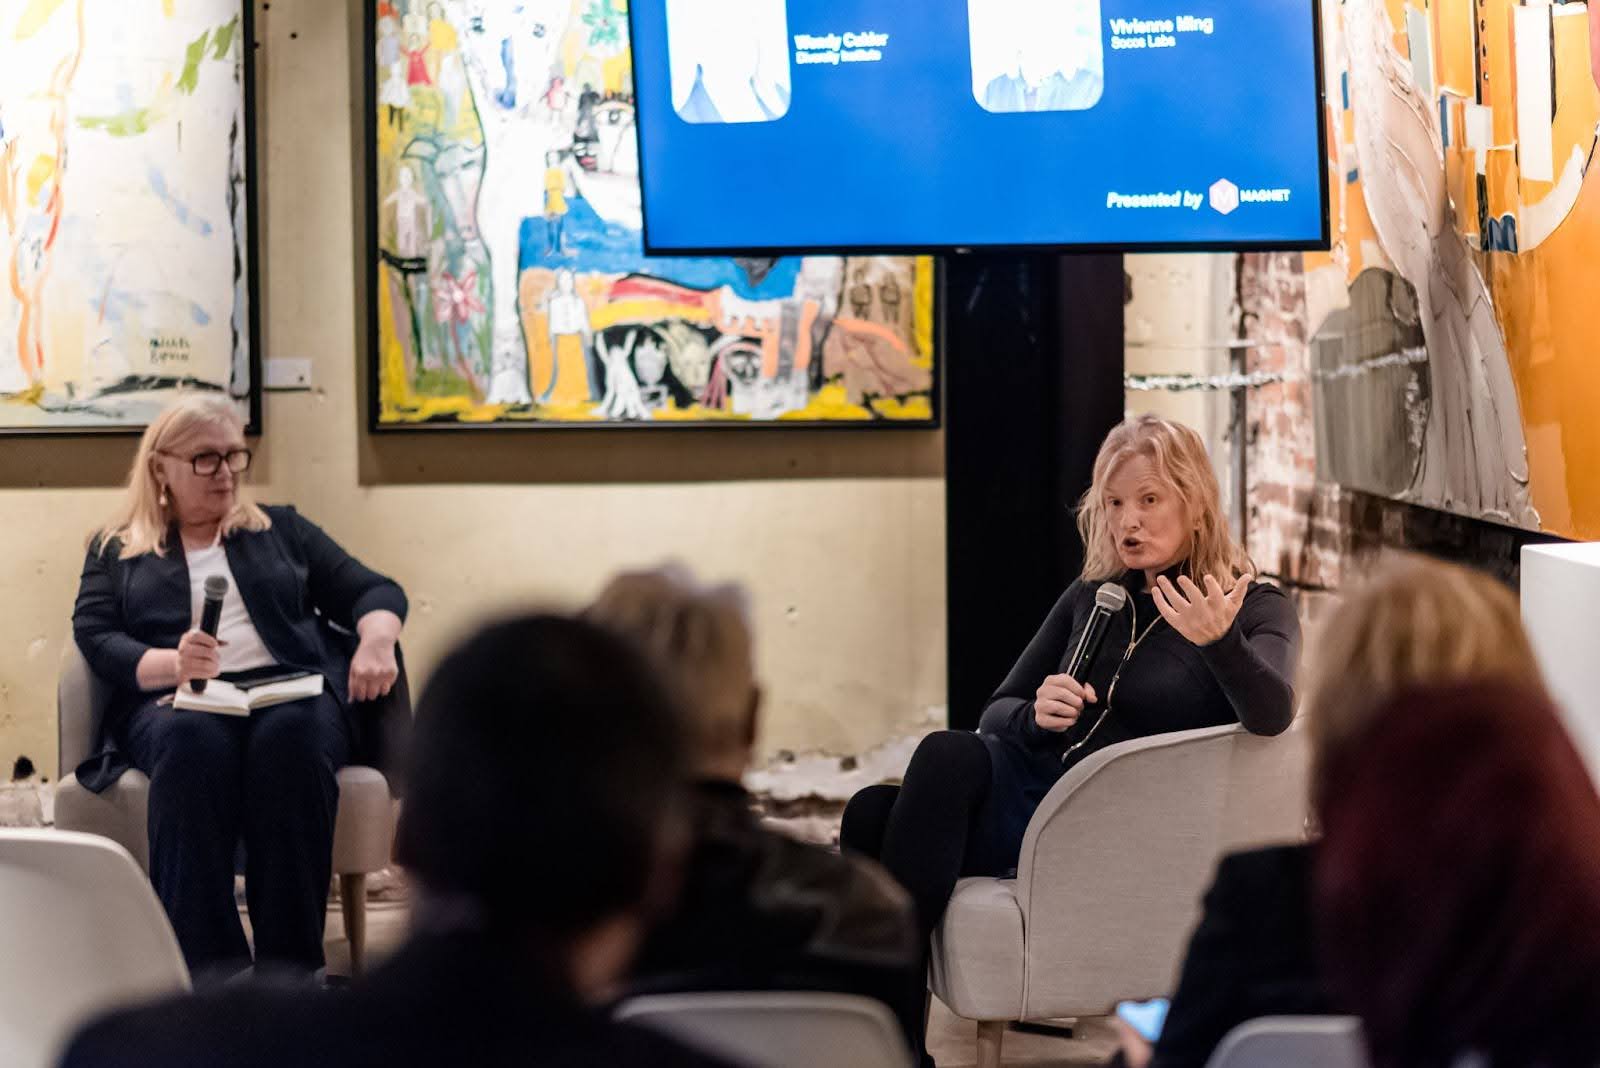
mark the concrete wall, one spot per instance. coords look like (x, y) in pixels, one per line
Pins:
(1180, 321)
(839, 535)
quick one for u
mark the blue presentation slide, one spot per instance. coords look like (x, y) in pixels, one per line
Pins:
(792, 125)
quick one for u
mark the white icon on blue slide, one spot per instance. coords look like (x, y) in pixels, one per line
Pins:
(730, 59)
(1224, 197)
(1036, 55)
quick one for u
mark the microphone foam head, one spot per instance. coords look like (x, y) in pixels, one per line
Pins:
(1111, 597)
(216, 587)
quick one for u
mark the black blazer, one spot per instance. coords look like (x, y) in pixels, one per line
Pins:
(440, 1000)
(759, 910)
(1170, 684)
(1252, 955)
(297, 584)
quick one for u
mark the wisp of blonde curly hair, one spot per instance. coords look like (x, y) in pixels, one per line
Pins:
(1180, 460)
(700, 639)
(140, 522)
(1413, 621)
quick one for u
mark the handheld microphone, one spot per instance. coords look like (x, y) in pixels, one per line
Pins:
(211, 615)
(1108, 601)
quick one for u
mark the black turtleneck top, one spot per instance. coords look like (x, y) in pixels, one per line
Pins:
(1168, 684)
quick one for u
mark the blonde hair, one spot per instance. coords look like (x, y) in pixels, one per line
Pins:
(1414, 621)
(700, 639)
(1180, 460)
(141, 521)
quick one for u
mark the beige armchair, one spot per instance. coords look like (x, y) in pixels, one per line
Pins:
(1109, 881)
(363, 835)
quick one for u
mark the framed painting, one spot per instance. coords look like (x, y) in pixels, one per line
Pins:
(509, 287)
(127, 218)
(1453, 321)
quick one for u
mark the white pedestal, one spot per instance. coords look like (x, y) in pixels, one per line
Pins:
(1561, 613)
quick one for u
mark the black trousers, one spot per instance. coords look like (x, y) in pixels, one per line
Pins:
(928, 832)
(267, 779)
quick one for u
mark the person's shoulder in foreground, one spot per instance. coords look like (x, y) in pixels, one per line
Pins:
(754, 891)
(439, 1002)
(862, 914)
(1251, 955)
(252, 1030)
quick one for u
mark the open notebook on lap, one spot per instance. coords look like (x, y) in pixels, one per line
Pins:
(243, 696)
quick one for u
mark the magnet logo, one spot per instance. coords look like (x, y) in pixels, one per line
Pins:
(1224, 197)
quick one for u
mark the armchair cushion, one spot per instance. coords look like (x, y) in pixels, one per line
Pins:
(120, 812)
(976, 965)
(362, 835)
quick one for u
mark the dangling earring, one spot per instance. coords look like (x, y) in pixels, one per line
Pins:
(163, 497)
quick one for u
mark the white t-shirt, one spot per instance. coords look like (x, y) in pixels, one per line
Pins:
(244, 649)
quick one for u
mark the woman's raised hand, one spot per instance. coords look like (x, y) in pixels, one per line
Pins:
(1060, 701)
(1202, 616)
(199, 656)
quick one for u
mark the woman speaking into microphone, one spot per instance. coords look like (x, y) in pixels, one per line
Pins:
(1198, 643)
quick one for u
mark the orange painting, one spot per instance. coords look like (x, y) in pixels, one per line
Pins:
(1466, 215)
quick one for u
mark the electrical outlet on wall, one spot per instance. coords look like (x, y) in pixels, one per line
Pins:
(282, 373)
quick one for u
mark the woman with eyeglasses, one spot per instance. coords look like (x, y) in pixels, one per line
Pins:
(267, 778)
(1198, 643)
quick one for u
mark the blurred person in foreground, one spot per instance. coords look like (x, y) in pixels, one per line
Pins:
(759, 910)
(1457, 884)
(543, 830)
(1415, 621)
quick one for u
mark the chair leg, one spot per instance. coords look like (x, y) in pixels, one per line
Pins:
(990, 1034)
(353, 902)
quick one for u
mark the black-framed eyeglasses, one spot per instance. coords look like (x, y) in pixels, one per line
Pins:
(209, 463)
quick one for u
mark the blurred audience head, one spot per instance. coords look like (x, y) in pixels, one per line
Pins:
(1458, 880)
(699, 637)
(1413, 621)
(545, 770)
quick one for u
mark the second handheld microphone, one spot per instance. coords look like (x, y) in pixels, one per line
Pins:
(211, 615)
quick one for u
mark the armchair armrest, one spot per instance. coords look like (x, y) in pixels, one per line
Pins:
(1116, 857)
(82, 698)
(1082, 798)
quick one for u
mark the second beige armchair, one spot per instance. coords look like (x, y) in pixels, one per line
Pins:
(1109, 880)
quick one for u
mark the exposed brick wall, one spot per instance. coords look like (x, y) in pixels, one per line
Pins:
(1280, 463)
(1314, 537)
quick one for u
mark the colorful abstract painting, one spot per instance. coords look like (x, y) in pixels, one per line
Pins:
(1455, 317)
(509, 280)
(126, 251)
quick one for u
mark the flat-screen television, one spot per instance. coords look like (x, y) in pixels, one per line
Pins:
(773, 126)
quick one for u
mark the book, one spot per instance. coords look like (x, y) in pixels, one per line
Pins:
(230, 699)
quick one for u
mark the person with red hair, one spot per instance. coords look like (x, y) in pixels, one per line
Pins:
(1414, 622)
(1457, 884)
